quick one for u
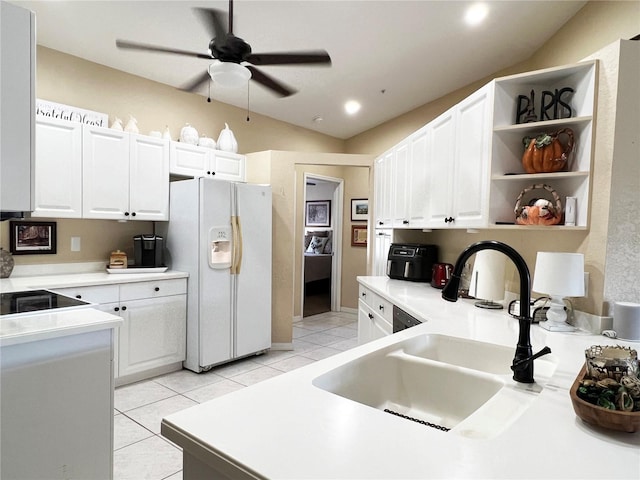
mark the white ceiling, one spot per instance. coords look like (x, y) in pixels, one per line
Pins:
(392, 56)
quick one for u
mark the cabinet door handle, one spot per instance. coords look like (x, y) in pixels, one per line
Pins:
(208, 172)
(157, 289)
(380, 223)
(133, 214)
(405, 222)
(381, 307)
(116, 309)
(124, 308)
(449, 219)
(78, 297)
(370, 316)
(126, 214)
(364, 294)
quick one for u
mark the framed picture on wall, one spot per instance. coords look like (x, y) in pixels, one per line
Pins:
(32, 238)
(359, 209)
(358, 235)
(318, 213)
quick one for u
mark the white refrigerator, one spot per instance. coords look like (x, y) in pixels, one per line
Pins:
(220, 233)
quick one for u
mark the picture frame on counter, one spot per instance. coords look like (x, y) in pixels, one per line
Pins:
(359, 209)
(318, 213)
(32, 238)
(359, 235)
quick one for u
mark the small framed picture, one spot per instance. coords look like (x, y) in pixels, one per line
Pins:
(359, 209)
(358, 235)
(32, 238)
(318, 213)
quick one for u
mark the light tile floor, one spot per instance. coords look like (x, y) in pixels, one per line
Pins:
(140, 452)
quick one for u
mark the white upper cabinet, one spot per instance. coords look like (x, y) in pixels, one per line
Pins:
(400, 175)
(441, 169)
(58, 169)
(472, 158)
(17, 115)
(195, 161)
(459, 155)
(384, 190)
(464, 168)
(418, 177)
(149, 177)
(122, 173)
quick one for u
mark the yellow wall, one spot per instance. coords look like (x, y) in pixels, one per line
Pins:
(354, 259)
(283, 170)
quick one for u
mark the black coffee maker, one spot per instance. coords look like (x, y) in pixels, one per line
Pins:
(148, 250)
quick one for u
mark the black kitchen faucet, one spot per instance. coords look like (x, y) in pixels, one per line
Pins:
(522, 365)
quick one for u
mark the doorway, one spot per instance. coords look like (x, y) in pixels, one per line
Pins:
(322, 248)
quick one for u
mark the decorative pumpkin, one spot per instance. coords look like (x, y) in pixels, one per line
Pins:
(227, 141)
(188, 134)
(539, 211)
(545, 153)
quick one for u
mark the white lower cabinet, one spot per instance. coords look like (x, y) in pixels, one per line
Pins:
(375, 316)
(153, 336)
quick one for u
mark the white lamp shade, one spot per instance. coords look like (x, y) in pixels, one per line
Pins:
(487, 277)
(229, 74)
(559, 274)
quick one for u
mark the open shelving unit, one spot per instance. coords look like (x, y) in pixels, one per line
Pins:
(508, 178)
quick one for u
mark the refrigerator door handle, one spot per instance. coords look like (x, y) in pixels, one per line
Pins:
(237, 245)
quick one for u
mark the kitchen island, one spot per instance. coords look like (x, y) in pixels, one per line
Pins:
(289, 428)
(56, 394)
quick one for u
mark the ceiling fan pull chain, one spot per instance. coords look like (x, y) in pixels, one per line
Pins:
(248, 119)
(209, 97)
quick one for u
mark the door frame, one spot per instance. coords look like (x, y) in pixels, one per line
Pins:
(337, 214)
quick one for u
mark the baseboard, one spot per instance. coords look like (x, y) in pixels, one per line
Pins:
(282, 346)
(349, 310)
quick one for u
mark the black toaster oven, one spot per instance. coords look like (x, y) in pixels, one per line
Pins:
(411, 261)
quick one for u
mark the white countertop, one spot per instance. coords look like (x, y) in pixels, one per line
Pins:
(286, 428)
(49, 324)
(16, 284)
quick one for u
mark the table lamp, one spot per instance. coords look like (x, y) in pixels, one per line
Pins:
(487, 278)
(559, 275)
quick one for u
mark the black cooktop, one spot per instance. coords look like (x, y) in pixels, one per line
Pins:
(34, 301)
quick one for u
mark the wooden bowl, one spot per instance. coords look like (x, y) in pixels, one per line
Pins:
(602, 417)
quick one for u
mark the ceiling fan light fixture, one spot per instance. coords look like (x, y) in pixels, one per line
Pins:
(229, 74)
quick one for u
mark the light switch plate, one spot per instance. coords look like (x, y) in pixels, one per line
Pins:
(75, 244)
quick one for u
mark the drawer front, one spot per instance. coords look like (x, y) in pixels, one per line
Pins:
(378, 304)
(367, 296)
(97, 294)
(157, 288)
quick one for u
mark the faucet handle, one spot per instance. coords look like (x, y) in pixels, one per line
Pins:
(524, 362)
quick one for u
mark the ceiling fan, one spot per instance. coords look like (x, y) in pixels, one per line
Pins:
(232, 54)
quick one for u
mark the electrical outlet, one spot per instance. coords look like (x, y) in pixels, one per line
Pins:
(75, 244)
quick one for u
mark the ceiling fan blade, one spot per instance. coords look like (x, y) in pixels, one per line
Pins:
(290, 58)
(270, 82)
(213, 21)
(154, 48)
(196, 83)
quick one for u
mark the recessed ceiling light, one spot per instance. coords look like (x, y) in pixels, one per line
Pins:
(352, 107)
(476, 13)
